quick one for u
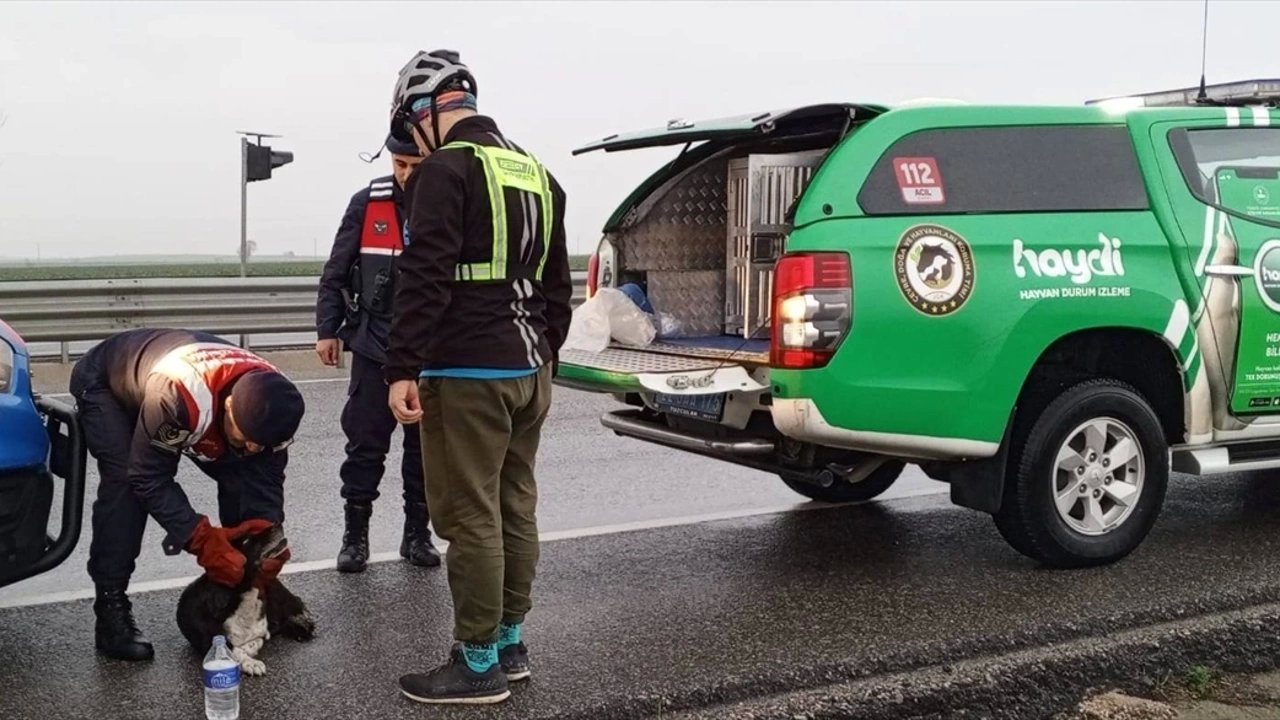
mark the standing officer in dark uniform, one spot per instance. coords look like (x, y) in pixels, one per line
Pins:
(147, 397)
(354, 307)
(481, 311)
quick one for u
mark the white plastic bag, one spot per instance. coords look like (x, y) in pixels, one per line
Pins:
(608, 314)
(628, 324)
(589, 327)
(668, 325)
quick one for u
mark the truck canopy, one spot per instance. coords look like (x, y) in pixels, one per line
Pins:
(792, 120)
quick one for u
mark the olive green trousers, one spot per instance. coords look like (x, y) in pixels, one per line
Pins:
(479, 442)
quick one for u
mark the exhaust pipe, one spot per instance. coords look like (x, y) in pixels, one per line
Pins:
(854, 473)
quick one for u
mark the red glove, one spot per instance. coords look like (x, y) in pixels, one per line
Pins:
(214, 552)
(269, 570)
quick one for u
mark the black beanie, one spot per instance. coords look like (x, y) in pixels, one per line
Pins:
(267, 406)
(399, 147)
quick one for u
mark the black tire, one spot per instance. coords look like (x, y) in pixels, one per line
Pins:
(1029, 518)
(877, 482)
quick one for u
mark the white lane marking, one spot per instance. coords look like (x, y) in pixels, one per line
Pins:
(553, 536)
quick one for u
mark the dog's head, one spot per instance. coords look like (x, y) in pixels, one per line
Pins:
(269, 543)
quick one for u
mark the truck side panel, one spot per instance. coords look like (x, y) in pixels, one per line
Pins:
(954, 370)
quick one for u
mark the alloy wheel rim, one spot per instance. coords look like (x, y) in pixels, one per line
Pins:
(1098, 475)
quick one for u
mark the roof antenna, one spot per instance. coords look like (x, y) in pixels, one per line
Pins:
(1204, 53)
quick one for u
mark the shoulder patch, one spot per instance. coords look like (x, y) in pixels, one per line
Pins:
(170, 435)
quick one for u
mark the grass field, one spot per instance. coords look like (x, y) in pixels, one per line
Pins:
(13, 273)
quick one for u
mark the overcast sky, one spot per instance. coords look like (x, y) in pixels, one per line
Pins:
(121, 118)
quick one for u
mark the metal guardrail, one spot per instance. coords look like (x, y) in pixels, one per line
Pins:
(65, 311)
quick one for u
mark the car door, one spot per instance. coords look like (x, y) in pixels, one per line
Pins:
(1223, 176)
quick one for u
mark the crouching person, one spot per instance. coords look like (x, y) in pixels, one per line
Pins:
(145, 398)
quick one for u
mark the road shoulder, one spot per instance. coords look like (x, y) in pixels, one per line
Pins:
(1107, 678)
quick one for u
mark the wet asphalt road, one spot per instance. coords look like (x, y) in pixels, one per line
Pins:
(646, 602)
(635, 624)
(588, 478)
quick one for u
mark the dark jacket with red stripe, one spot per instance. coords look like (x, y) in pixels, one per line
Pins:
(177, 382)
(368, 241)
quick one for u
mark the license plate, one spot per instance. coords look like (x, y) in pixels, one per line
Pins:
(700, 407)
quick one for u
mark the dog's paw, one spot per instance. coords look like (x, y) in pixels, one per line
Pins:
(253, 666)
(302, 626)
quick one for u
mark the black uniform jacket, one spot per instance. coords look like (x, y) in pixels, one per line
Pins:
(175, 383)
(364, 332)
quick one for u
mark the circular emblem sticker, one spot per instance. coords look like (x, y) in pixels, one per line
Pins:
(1267, 274)
(934, 267)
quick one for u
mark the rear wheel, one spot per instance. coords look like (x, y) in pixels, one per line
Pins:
(1086, 477)
(869, 487)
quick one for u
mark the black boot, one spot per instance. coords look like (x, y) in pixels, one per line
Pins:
(354, 554)
(115, 633)
(416, 546)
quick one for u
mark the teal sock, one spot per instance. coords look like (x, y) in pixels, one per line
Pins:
(480, 657)
(508, 635)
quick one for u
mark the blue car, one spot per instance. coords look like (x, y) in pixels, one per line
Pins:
(40, 439)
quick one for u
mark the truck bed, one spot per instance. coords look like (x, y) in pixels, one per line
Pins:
(671, 355)
(615, 368)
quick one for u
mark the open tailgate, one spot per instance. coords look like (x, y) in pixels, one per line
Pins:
(662, 369)
(678, 131)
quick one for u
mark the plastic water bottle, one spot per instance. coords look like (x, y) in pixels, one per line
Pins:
(221, 682)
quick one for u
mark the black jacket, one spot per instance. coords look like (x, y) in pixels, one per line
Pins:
(440, 323)
(175, 409)
(364, 333)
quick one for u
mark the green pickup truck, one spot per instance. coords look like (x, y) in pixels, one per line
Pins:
(1048, 308)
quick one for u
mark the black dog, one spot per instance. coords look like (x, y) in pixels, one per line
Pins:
(240, 614)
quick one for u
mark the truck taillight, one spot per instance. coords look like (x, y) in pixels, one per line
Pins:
(593, 269)
(600, 268)
(812, 308)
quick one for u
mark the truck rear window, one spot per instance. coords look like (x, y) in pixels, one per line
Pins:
(1211, 159)
(1059, 168)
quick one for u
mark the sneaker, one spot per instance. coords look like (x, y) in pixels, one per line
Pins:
(456, 683)
(514, 660)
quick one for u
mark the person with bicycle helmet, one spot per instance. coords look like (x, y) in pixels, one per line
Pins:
(481, 310)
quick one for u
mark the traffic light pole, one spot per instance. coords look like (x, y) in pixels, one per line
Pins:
(244, 202)
(256, 163)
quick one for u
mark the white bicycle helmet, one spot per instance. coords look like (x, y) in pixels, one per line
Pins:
(427, 74)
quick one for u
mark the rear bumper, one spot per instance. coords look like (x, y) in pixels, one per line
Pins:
(800, 418)
(757, 453)
(623, 371)
(632, 424)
